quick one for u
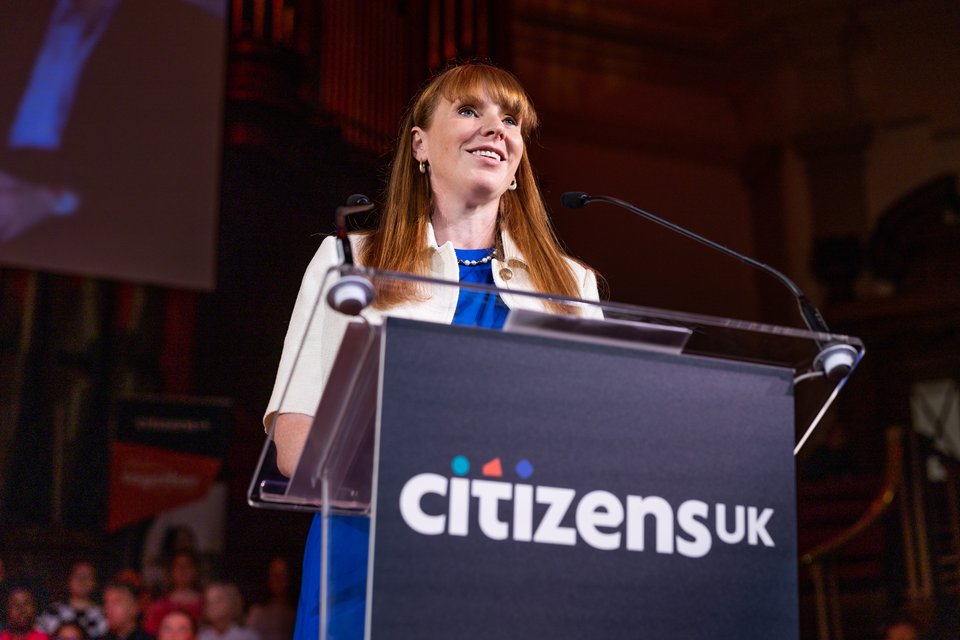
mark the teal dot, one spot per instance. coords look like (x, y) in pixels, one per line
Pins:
(460, 465)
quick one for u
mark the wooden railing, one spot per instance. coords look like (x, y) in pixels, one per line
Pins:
(822, 558)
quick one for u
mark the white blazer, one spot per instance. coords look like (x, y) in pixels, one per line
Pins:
(321, 339)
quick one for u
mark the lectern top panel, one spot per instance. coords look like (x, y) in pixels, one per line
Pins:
(333, 372)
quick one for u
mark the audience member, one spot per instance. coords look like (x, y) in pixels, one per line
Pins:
(69, 631)
(79, 606)
(901, 629)
(21, 615)
(184, 591)
(124, 612)
(132, 577)
(177, 625)
(7, 582)
(156, 568)
(223, 610)
(275, 618)
(121, 606)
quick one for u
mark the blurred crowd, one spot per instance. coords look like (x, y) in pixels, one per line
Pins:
(169, 600)
(175, 603)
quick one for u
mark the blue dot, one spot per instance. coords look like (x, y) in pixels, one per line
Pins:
(524, 469)
(460, 465)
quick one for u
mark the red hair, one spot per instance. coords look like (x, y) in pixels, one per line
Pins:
(400, 241)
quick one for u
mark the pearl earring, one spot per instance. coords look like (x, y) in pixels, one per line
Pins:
(513, 185)
(423, 167)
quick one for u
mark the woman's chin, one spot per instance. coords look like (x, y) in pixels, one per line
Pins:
(487, 190)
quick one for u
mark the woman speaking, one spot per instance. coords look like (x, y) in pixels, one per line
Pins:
(462, 204)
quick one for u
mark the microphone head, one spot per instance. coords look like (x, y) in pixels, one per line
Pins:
(357, 198)
(351, 295)
(574, 199)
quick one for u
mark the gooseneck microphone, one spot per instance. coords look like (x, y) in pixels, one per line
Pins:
(835, 359)
(356, 203)
(351, 294)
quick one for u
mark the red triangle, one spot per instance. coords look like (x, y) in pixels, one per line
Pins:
(493, 469)
(147, 480)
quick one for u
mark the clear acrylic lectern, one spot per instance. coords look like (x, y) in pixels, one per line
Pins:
(344, 466)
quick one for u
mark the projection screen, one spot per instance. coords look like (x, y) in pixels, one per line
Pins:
(110, 131)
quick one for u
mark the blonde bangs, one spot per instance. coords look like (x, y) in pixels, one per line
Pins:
(470, 82)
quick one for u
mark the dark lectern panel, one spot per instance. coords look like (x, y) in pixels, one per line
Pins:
(533, 488)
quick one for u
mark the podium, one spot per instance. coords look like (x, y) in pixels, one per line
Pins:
(593, 470)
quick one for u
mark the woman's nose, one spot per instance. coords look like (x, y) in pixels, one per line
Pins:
(493, 126)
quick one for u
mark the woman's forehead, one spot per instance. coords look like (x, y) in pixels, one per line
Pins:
(479, 83)
(507, 101)
(479, 99)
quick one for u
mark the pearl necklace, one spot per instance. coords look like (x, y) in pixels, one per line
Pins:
(472, 263)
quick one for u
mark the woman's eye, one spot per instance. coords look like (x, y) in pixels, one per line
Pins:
(511, 121)
(467, 111)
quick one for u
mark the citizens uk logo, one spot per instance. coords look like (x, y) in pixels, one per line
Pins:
(524, 512)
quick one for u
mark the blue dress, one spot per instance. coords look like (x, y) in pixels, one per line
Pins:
(349, 535)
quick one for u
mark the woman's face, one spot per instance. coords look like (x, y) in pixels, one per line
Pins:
(473, 148)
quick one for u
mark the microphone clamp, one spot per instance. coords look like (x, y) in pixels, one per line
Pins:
(836, 360)
(351, 294)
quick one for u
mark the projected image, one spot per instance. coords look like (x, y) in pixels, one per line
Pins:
(110, 113)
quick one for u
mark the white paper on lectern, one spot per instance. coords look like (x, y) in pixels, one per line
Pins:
(606, 331)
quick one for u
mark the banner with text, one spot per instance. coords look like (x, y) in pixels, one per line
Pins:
(536, 488)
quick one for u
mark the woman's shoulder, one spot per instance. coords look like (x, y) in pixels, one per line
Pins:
(579, 268)
(582, 272)
(585, 277)
(328, 253)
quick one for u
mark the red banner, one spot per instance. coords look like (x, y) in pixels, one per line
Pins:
(147, 480)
